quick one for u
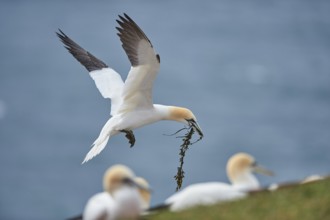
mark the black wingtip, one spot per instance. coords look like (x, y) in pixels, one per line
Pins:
(60, 33)
(121, 17)
(63, 37)
(130, 35)
(129, 18)
(89, 61)
(59, 30)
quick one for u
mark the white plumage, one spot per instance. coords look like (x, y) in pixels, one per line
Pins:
(121, 198)
(131, 101)
(203, 194)
(240, 168)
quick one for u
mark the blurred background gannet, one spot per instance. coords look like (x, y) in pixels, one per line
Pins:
(121, 198)
(312, 178)
(131, 102)
(240, 169)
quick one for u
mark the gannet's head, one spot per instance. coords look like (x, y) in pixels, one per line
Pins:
(241, 166)
(145, 194)
(185, 116)
(119, 176)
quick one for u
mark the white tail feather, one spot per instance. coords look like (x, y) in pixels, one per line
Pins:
(97, 147)
(100, 143)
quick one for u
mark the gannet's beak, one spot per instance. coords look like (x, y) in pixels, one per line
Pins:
(131, 182)
(192, 123)
(259, 169)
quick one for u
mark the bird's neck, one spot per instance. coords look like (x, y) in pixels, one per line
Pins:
(245, 181)
(164, 111)
(173, 113)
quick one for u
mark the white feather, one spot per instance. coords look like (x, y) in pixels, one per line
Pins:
(131, 102)
(100, 143)
(98, 206)
(110, 85)
(203, 194)
(240, 168)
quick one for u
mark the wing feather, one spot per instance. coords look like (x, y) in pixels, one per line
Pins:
(110, 85)
(107, 80)
(137, 91)
(88, 60)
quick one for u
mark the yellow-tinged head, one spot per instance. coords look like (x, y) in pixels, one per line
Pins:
(241, 165)
(181, 114)
(185, 116)
(116, 176)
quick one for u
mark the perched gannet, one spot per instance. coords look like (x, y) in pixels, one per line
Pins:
(121, 198)
(240, 168)
(284, 185)
(312, 178)
(131, 102)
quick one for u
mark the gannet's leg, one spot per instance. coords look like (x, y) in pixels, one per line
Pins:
(130, 136)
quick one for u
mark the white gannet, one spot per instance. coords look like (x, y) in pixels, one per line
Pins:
(240, 168)
(131, 102)
(121, 198)
(278, 186)
(312, 178)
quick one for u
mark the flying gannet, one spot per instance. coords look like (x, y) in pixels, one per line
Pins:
(131, 101)
(240, 168)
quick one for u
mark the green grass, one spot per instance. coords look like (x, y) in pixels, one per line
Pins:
(308, 201)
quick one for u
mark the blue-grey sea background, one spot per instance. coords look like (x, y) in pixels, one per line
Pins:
(255, 73)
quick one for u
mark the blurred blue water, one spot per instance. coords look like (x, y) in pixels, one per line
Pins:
(255, 73)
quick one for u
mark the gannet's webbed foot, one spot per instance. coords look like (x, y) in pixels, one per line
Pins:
(130, 136)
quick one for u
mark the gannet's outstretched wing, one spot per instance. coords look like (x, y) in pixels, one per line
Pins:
(137, 91)
(107, 80)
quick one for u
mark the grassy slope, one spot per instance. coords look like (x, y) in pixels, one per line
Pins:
(309, 201)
